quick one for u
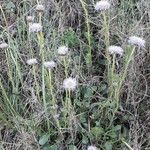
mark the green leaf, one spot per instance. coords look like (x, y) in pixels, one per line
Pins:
(108, 146)
(113, 134)
(114, 131)
(10, 5)
(90, 91)
(53, 147)
(72, 147)
(87, 104)
(102, 62)
(78, 103)
(88, 59)
(117, 128)
(97, 131)
(103, 88)
(128, 52)
(71, 38)
(44, 139)
(85, 140)
(82, 119)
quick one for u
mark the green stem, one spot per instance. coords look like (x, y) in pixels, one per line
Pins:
(89, 54)
(113, 66)
(65, 66)
(118, 89)
(126, 68)
(40, 17)
(36, 82)
(107, 43)
(112, 76)
(130, 148)
(8, 103)
(41, 45)
(106, 29)
(9, 68)
(3, 14)
(51, 88)
(53, 101)
(69, 100)
(30, 46)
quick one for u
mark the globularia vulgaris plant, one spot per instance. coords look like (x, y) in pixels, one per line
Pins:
(49, 87)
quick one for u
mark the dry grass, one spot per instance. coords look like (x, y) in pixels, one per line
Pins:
(61, 17)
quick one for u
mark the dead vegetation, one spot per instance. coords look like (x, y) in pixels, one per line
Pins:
(62, 16)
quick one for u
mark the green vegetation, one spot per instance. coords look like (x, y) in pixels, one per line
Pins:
(77, 78)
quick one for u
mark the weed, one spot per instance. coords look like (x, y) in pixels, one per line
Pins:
(67, 84)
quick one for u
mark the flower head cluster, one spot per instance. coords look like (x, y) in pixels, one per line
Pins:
(40, 8)
(32, 61)
(35, 27)
(102, 5)
(62, 50)
(91, 148)
(56, 116)
(29, 18)
(50, 64)
(54, 106)
(115, 50)
(70, 84)
(3, 45)
(134, 40)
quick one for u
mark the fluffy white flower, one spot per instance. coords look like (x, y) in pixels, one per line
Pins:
(102, 5)
(40, 7)
(49, 64)
(134, 40)
(54, 106)
(62, 50)
(35, 27)
(29, 18)
(32, 61)
(56, 116)
(115, 50)
(91, 148)
(3, 45)
(70, 84)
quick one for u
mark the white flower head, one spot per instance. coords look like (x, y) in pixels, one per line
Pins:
(70, 84)
(134, 40)
(3, 45)
(49, 64)
(30, 18)
(62, 50)
(32, 61)
(115, 50)
(91, 148)
(39, 8)
(54, 106)
(102, 5)
(56, 116)
(35, 27)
